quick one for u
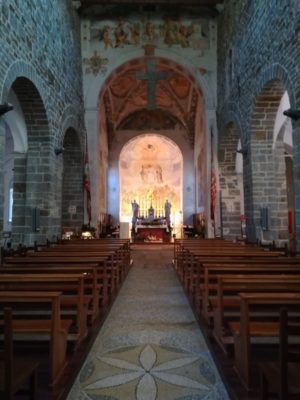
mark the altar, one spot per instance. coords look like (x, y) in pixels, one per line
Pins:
(146, 233)
(151, 234)
(150, 229)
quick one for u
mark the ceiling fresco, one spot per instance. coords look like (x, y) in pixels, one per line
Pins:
(176, 98)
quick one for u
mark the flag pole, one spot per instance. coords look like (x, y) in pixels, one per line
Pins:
(87, 183)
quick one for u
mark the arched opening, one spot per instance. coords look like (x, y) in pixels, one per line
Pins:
(8, 181)
(283, 159)
(15, 147)
(33, 189)
(150, 172)
(271, 159)
(171, 109)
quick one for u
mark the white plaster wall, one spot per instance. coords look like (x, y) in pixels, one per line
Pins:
(283, 125)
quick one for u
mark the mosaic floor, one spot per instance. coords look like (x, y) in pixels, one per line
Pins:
(150, 346)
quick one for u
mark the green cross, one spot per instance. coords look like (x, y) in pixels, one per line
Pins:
(151, 76)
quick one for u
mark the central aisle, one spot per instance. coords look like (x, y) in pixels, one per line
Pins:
(150, 346)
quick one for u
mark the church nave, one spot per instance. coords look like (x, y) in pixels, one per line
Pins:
(150, 346)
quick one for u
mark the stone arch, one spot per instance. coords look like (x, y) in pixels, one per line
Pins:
(70, 119)
(232, 114)
(151, 172)
(33, 186)
(20, 68)
(93, 94)
(15, 141)
(273, 72)
(269, 191)
(188, 171)
(94, 115)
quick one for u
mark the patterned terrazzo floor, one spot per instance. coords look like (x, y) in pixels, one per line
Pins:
(150, 346)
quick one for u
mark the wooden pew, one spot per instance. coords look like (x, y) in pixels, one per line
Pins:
(74, 304)
(117, 253)
(248, 330)
(47, 327)
(226, 306)
(212, 245)
(93, 287)
(120, 253)
(205, 287)
(122, 245)
(103, 266)
(114, 261)
(281, 377)
(15, 372)
(199, 272)
(190, 260)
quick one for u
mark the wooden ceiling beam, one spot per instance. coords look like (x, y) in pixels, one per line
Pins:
(209, 3)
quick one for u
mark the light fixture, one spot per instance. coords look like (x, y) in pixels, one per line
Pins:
(86, 235)
(58, 151)
(243, 152)
(292, 113)
(5, 107)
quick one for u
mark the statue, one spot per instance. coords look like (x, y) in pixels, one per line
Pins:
(135, 211)
(168, 206)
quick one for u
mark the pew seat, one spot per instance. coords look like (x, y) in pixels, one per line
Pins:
(282, 376)
(45, 327)
(265, 331)
(16, 374)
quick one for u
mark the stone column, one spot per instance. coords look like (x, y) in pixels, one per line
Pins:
(19, 198)
(2, 150)
(92, 123)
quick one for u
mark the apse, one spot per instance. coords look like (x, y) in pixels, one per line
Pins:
(150, 169)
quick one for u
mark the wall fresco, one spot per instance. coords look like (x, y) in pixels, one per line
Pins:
(150, 172)
(163, 32)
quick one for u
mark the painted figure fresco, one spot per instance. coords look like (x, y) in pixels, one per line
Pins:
(150, 172)
(168, 31)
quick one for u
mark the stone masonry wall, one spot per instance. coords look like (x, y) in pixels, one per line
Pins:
(258, 42)
(40, 41)
(229, 185)
(2, 147)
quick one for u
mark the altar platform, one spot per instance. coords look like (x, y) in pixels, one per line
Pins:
(154, 231)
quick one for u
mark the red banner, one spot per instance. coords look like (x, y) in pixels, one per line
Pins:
(213, 193)
(213, 183)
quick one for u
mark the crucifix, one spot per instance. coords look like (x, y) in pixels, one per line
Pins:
(151, 76)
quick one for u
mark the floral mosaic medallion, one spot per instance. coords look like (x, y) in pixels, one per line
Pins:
(147, 372)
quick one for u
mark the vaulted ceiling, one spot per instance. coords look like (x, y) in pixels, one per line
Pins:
(127, 103)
